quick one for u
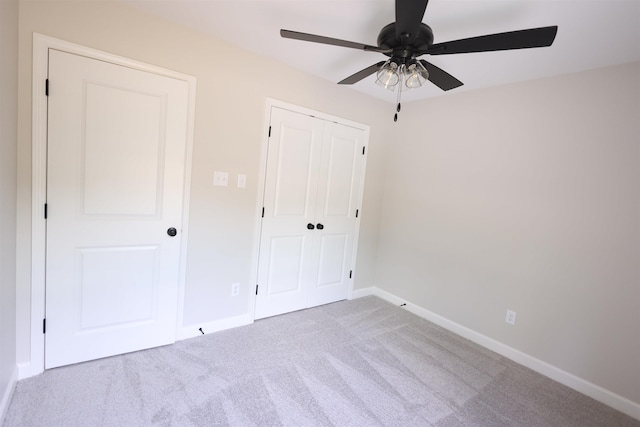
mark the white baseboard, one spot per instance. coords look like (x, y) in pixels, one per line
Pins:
(216, 326)
(7, 393)
(364, 292)
(27, 370)
(594, 391)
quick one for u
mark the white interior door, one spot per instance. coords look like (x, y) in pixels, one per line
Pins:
(312, 184)
(115, 180)
(337, 201)
(286, 243)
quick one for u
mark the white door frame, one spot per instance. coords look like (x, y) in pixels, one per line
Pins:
(269, 103)
(41, 46)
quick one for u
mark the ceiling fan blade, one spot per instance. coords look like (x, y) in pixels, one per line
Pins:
(440, 78)
(328, 40)
(522, 39)
(355, 78)
(409, 14)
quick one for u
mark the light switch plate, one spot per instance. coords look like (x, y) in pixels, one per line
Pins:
(220, 179)
(242, 180)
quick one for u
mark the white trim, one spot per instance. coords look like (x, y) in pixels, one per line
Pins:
(257, 225)
(8, 393)
(215, 326)
(24, 370)
(594, 391)
(269, 104)
(364, 292)
(41, 46)
(186, 204)
(38, 198)
(356, 235)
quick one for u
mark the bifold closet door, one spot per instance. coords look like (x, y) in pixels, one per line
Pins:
(312, 184)
(339, 183)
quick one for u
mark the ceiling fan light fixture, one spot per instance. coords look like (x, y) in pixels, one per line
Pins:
(388, 75)
(415, 75)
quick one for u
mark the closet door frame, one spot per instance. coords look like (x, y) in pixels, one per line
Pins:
(269, 104)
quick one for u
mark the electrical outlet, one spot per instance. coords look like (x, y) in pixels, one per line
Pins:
(510, 318)
(235, 289)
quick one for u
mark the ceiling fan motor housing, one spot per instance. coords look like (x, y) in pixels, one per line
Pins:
(408, 46)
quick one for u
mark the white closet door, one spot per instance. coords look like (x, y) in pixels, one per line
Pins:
(312, 184)
(115, 179)
(336, 205)
(291, 182)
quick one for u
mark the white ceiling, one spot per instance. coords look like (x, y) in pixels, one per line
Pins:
(591, 34)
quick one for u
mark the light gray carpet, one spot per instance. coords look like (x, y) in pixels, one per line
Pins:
(353, 363)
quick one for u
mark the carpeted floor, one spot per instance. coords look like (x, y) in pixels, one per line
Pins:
(363, 362)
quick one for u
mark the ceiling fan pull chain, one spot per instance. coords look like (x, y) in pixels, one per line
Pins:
(395, 116)
(400, 83)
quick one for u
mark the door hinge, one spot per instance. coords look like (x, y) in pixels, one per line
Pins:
(46, 87)
(45, 211)
(357, 213)
(256, 289)
(263, 212)
(269, 131)
(350, 273)
(363, 147)
(44, 326)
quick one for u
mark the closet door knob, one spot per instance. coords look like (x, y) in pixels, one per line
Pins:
(310, 226)
(320, 226)
(172, 232)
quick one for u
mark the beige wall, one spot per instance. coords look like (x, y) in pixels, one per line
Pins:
(230, 108)
(8, 132)
(523, 197)
(526, 197)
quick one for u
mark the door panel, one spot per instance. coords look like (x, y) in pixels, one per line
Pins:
(289, 205)
(339, 177)
(134, 150)
(331, 265)
(339, 184)
(115, 179)
(132, 287)
(285, 266)
(294, 183)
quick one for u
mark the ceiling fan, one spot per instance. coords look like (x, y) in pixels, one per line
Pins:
(408, 38)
